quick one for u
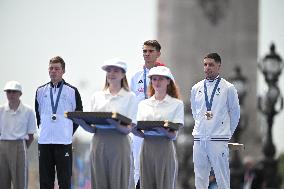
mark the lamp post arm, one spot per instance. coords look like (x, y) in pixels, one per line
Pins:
(260, 105)
(281, 105)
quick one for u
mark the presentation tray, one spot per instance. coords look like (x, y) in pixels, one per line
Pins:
(98, 118)
(149, 125)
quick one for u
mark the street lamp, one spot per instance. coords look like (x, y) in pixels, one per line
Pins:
(270, 105)
(240, 83)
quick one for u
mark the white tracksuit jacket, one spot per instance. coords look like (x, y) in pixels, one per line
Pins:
(211, 136)
(225, 109)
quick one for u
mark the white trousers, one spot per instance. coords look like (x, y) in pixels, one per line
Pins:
(207, 154)
(136, 149)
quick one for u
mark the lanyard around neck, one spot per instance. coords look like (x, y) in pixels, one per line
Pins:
(145, 83)
(54, 106)
(209, 103)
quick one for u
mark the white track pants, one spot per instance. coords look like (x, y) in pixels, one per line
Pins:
(207, 154)
(136, 148)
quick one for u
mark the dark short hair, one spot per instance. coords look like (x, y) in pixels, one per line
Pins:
(153, 43)
(57, 59)
(214, 56)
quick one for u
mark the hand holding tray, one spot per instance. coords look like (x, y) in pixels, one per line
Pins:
(150, 125)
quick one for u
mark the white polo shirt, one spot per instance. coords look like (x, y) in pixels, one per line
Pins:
(124, 102)
(16, 125)
(171, 109)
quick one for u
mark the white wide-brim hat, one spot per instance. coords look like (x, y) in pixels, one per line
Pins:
(13, 85)
(161, 70)
(117, 62)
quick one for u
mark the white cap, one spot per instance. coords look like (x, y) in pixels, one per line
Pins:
(13, 85)
(117, 62)
(161, 70)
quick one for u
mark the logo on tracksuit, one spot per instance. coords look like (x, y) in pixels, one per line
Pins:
(218, 91)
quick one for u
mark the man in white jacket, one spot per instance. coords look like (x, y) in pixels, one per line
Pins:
(216, 111)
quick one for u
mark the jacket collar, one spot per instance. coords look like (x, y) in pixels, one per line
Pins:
(212, 80)
(58, 84)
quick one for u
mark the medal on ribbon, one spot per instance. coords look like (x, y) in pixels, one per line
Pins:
(54, 106)
(53, 117)
(209, 114)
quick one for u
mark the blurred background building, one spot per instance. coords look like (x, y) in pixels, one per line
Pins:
(188, 31)
(191, 29)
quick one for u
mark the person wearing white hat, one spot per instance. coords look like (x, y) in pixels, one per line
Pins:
(115, 62)
(17, 128)
(158, 161)
(53, 99)
(111, 156)
(216, 112)
(139, 83)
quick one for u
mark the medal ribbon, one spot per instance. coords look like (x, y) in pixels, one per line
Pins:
(145, 85)
(209, 103)
(54, 106)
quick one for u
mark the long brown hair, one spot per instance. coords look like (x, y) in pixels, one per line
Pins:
(124, 84)
(172, 89)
